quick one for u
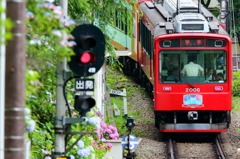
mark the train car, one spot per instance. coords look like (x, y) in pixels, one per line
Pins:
(169, 36)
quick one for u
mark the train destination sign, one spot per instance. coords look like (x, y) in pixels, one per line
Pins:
(192, 42)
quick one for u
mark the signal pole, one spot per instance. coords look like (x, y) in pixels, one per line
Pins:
(15, 82)
(60, 102)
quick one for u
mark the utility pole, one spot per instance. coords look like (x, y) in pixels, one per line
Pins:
(15, 82)
(2, 79)
(223, 12)
(60, 102)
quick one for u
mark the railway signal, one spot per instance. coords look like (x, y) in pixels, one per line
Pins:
(89, 50)
(83, 104)
(130, 123)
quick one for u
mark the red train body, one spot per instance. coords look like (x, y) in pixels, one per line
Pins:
(168, 36)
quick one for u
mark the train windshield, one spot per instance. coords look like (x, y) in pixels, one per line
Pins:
(192, 66)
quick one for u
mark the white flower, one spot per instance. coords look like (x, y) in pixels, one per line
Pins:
(80, 144)
(57, 32)
(35, 41)
(50, 1)
(71, 43)
(27, 111)
(31, 125)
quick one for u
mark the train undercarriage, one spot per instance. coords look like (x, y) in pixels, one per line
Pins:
(200, 121)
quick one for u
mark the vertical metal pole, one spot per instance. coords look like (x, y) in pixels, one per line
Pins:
(223, 11)
(64, 4)
(125, 111)
(15, 82)
(60, 107)
(2, 79)
(60, 112)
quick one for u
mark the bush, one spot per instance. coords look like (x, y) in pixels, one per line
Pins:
(236, 84)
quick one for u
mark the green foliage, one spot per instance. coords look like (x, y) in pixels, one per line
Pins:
(236, 91)
(114, 79)
(43, 52)
(90, 140)
(43, 47)
(215, 12)
(234, 16)
(102, 12)
(32, 80)
(236, 84)
(236, 104)
(6, 25)
(119, 120)
(40, 141)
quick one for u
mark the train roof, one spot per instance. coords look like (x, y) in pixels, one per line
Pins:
(164, 17)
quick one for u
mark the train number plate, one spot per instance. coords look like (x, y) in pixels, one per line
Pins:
(192, 89)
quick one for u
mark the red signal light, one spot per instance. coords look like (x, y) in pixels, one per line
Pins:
(87, 57)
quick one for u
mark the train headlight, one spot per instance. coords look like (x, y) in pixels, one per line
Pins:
(218, 43)
(166, 43)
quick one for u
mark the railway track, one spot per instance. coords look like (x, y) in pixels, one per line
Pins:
(206, 149)
(218, 148)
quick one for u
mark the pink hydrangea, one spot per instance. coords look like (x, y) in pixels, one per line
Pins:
(108, 131)
(112, 136)
(112, 128)
(109, 145)
(103, 125)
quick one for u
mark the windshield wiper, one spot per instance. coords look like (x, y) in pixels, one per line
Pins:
(190, 83)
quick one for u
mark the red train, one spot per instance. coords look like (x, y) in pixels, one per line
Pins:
(168, 36)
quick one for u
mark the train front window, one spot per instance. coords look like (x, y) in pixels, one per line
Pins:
(192, 66)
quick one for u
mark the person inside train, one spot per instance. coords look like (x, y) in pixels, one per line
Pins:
(166, 62)
(220, 62)
(192, 69)
(174, 62)
(219, 76)
(174, 76)
(209, 75)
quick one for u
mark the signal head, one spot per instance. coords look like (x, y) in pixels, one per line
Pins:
(89, 51)
(83, 104)
(130, 123)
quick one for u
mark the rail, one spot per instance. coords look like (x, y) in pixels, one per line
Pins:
(218, 149)
(170, 149)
